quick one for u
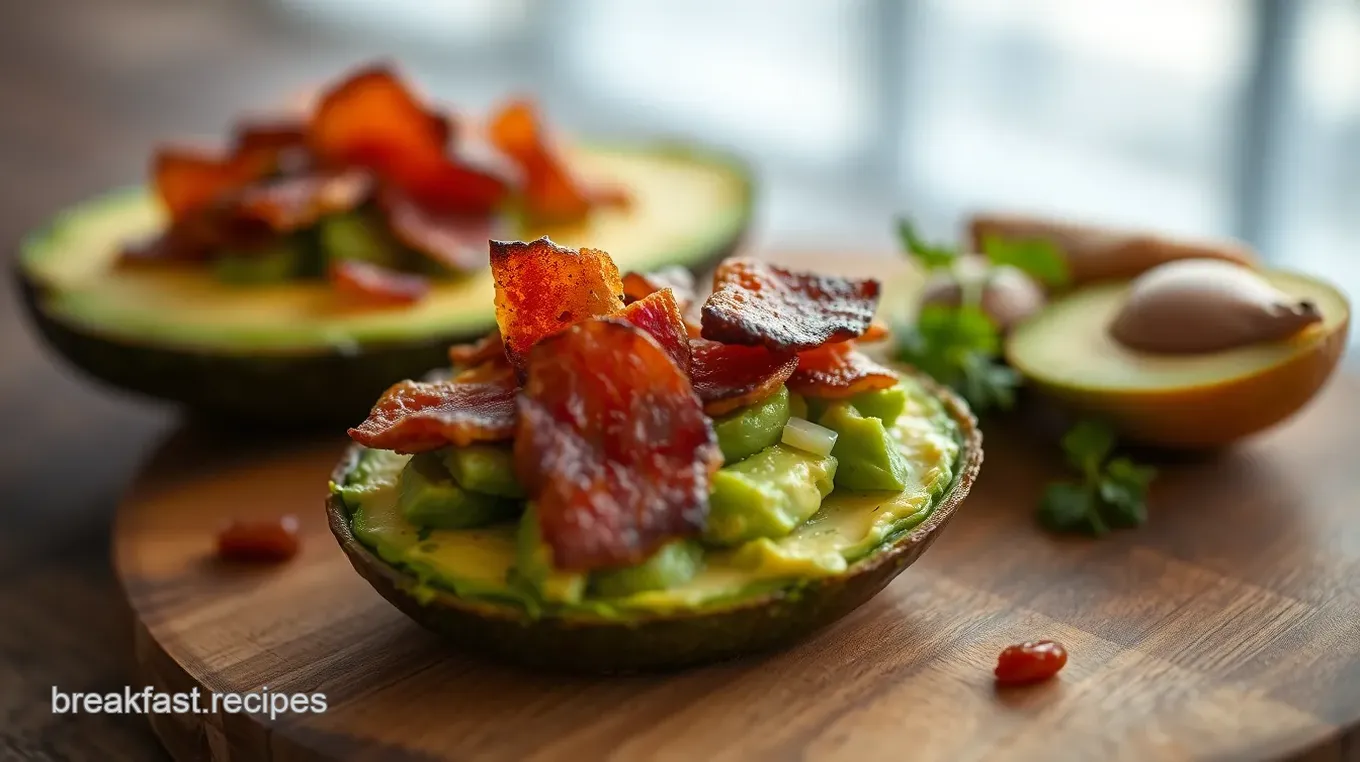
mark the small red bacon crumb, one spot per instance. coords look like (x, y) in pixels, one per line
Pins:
(1030, 662)
(259, 540)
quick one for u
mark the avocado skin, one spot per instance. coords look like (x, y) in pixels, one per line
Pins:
(302, 390)
(291, 391)
(596, 644)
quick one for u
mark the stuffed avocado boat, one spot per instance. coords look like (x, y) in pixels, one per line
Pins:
(605, 483)
(294, 276)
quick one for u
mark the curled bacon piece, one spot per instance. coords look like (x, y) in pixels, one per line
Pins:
(372, 120)
(456, 241)
(757, 303)
(838, 370)
(550, 192)
(659, 315)
(678, 279)
(415, 416)
(294, 203)
(489, 347)
(542, 288)
(730, 376)
(188, 181)
(377, 285)
(612, 445)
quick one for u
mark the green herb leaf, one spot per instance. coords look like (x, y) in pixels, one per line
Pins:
(1112, 494)
(930, 256)
(1068, 507)
(1037, 257)
(1087, 445)
(958, 346)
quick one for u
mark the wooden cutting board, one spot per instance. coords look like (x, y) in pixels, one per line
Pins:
(1227, 628)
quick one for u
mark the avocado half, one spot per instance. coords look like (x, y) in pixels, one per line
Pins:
(292, 353)
(591, 642)
(1177, 401)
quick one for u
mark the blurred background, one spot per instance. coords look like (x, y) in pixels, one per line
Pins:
(1214, 117)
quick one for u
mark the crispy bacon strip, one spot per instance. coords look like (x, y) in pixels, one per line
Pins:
(372, 120)
(415, 416)
(376, 285)
(659, 315)
(678, 279)
(294, 203)
(759, 304)
(612, 445)
(542, 288)
(730, 376)
(457, 242)
(188, 181)
(838, 370)
(489, 347)
(550, 193)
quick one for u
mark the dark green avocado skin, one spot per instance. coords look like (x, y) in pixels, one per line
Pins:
(277, 390)
(661, 642)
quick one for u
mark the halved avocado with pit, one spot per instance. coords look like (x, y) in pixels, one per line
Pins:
(761, 595)
(296, 352)
(1177, 400)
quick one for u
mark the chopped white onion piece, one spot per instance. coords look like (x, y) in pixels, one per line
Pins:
(808, 436)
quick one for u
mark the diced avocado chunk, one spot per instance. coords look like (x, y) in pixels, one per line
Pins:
(488, 469)
(534, 566)
(767, 495)
(429, 497)
(353, 235)
(276, 262)
(674, 564)
(867, 456)
(751, 429)
(798, 407)
(884, 404)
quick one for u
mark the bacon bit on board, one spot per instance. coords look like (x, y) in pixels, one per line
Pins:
(1030, 662)
(259, 540)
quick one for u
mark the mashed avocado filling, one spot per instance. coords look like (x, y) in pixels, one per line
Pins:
(780, 516)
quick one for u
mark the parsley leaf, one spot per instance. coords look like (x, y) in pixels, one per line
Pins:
(930, 256)
(1037, 257)
(958, 346)
(1112, 492)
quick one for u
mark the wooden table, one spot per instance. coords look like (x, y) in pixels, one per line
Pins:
(86, 87)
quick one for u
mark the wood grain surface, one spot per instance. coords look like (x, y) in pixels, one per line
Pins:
(1227, 628)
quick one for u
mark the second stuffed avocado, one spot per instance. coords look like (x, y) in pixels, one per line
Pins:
(261, 333)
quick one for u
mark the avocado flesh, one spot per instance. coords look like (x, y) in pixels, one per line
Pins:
(674, 564)
(1067, 345)
(487, 469)
(533, 565)
(749, 430)
(275, 262)
(429, 497)
(866, 451)
(847, 527)
(884, 404)
(767, 495)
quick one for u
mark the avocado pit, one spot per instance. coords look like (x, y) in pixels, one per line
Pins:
(1199, 306)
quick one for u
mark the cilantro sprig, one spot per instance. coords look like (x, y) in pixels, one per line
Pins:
(958, 346)
(1112, 492)
(1038, 258)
